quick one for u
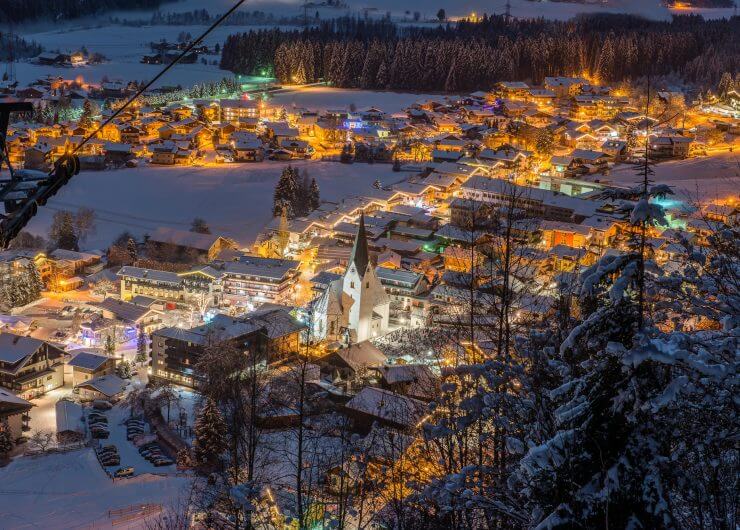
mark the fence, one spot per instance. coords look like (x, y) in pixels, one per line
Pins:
(133, 512)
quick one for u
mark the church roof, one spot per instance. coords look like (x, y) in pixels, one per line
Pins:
(360, 256)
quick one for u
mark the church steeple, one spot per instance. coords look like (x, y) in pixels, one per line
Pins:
(360, 256)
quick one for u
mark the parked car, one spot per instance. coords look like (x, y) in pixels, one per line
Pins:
(101, 404)
(162, 462)
(112, 461)
(109, 450)
(124, 472)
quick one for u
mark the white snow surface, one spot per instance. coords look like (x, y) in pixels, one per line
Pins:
(235, 199)
(703, 178)
(454, 8)
(70, 490)
(123, 46)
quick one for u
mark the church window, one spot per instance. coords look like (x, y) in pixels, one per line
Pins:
(351, 285)
(367, 285)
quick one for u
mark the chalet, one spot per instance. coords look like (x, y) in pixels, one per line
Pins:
(248, 150)
(162, 285)
(30, 93)
(616, 149)
(86, 365)
(164, 154)
(597, 106)
(353, 362)
(514, 89)
(206, 246)
(130, 134)
(412, 380)
(232, 110)
(127, 319)
(108, 387)
(565, 87)
(38, 157)
(593, 161)
(14, 414)
(117, 153)
(375, 405)
(70, 262)
(542, 97)
(670, 146)
(279, 130)
(29, 367)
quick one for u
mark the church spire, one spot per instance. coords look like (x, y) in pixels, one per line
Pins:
(359, 251)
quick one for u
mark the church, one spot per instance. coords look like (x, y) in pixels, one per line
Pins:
(355, 307)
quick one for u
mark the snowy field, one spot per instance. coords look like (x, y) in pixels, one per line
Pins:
(124, 47)
(75, 493)
(235, 199)
(323, 98)
(454, 8)
(703, 178)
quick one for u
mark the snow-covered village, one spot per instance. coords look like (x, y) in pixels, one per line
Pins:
(369, 264)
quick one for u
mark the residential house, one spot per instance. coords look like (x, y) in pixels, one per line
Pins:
(375, 405)
(29, 367)
(84, 366)
(14, 414)
(205, 246)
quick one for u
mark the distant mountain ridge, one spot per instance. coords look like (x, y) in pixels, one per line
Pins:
(16, 11)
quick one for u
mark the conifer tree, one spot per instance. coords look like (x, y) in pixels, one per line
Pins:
(314, 195)
(62, 233)
(110, 346)
(6, 440)
(210, 435)
(132, 250)
(86, 117)
(141, 348)
(286, 192)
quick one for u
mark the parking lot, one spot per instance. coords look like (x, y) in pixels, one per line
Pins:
(127, 451)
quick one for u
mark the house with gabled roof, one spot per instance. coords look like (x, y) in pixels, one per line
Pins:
(29, 367)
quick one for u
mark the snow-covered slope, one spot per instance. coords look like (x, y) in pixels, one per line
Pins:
(71, 490)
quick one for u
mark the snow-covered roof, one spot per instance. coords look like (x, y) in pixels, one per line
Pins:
(361, 355)
(124, 311)
(184, 238)
(88, 361)
(14, 348)
(109, 385)
(388, 406)
(10, 403)
(155, 275)
(69, 416)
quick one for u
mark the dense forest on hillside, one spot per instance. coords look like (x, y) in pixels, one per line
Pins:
(20, 48)
(27, 10)
(358, 53)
